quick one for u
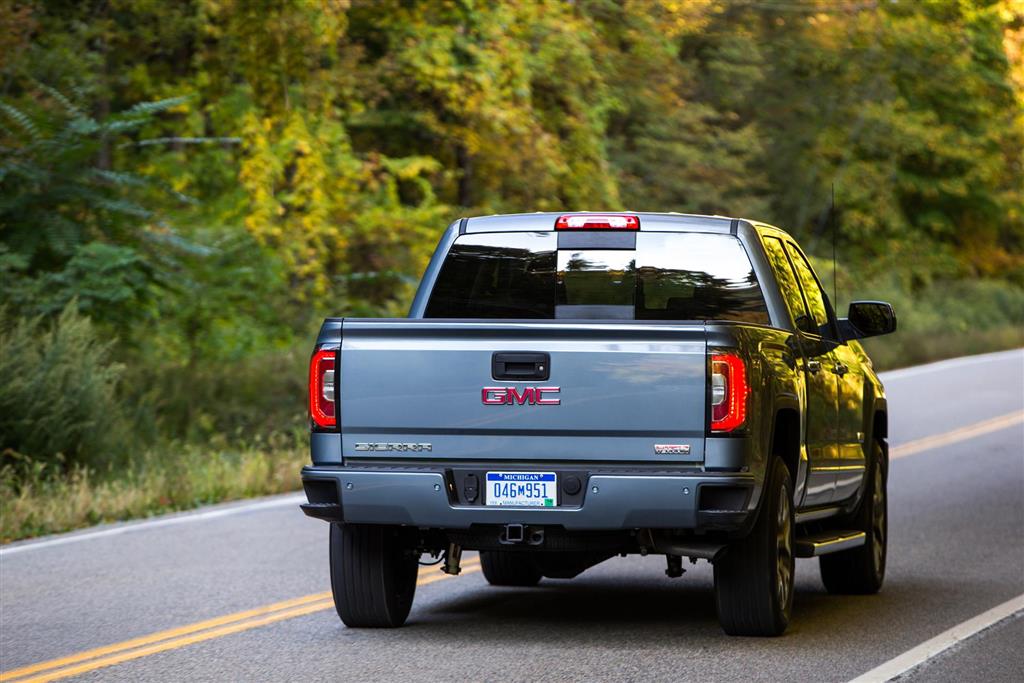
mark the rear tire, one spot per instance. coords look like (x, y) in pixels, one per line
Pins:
(509, 568)
(861, 571)
(754, 579)
(373, 575)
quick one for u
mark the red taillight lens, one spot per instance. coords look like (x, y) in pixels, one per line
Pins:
(597, 221)
(728, 392)
(321, 388)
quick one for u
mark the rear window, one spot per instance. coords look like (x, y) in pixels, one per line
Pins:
(663, 276)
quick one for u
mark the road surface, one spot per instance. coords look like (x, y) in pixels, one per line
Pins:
(237, 592)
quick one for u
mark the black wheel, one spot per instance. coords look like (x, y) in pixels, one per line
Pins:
(373, 575)
(509, 568)
(754, 578)
(861, 571)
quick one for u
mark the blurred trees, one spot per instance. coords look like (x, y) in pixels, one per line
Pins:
(205, 179)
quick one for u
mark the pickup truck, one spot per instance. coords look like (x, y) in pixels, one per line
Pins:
(571, 387)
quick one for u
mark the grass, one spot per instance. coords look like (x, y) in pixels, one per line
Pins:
(164, 480)
(916, 348)
(945, 320)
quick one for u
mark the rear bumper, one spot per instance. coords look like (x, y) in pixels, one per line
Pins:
(426, 498)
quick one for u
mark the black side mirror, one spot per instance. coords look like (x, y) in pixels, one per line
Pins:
(868, 319)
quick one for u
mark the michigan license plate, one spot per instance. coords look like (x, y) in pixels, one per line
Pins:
(524, 489)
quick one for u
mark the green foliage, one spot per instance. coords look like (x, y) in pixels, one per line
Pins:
(58, 392)
(107, 282)
(940, 318)
(57, 191)
(946, 319)
(329, 214)
(308, 154)
(910, 111)
(677, 135)
(72, 227)
(257, 394)
(508, 97)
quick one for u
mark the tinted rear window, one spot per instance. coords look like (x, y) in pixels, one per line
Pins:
(667, 276)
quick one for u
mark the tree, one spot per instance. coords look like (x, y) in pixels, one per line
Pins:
(70, 227)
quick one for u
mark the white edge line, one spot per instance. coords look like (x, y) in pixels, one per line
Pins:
(901, 664)
(950, 363)
(172, 520)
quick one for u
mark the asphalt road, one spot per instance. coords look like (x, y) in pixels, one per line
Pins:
(956, 550)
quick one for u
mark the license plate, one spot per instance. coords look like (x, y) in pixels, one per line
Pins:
(523, 489)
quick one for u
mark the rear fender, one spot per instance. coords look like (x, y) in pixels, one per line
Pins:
(776, 386)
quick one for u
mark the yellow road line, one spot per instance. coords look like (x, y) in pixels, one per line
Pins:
(161, 635)
(182, 636)
(957, 435)
(251, 619)
(173, 639)
(177, 643)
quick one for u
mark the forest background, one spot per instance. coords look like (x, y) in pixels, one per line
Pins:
(187, 188)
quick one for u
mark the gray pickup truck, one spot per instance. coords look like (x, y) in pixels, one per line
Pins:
(570, 387)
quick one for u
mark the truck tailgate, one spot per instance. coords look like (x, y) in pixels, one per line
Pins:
(622, 390)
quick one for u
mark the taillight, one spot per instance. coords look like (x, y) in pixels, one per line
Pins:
(728, 392)
(321, 388)
(597, 221)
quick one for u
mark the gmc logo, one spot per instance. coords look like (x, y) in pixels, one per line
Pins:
(507, 396)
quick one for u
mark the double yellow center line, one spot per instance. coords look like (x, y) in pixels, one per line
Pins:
(175, 638)
(957, 435)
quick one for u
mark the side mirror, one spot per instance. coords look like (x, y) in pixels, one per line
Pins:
(868, 319)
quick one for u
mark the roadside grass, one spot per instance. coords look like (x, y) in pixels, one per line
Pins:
(918, 348)
(944, 320)
(166, 479)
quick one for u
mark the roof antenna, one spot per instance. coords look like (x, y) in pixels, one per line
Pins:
(835, 276)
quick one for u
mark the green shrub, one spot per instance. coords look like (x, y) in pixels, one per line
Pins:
(58, 392)
(947, 319)
(221, 401)
(108, 282)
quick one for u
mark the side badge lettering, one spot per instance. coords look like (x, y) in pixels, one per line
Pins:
(672, 448)
(389, 446)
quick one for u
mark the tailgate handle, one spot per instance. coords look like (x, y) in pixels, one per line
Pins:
(520, 365)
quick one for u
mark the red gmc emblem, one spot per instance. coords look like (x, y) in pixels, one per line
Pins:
(507, 396)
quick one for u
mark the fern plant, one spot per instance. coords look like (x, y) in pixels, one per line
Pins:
(55, 192)
(59, 196)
